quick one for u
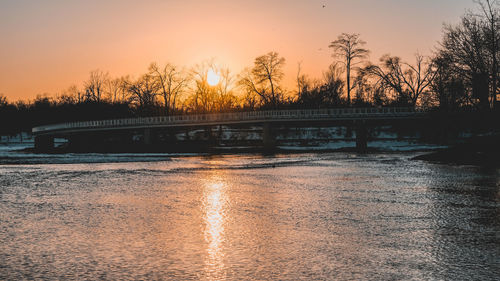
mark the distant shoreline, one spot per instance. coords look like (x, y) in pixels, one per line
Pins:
(244, 150)
(483, 151)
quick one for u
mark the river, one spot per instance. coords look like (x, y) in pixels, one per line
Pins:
(321, 216)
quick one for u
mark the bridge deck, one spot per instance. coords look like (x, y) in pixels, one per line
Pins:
(233, 118)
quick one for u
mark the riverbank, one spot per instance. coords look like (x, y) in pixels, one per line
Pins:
(480, 151)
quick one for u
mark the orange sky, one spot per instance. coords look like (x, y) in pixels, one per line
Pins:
(48, 45)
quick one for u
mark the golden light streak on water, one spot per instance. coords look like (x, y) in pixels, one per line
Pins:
(215, 209)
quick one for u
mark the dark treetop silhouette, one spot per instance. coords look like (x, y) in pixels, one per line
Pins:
(462, 73)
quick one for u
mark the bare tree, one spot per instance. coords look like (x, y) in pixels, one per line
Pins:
(321, 93)
(333, 85)
(211, 98)
(204, 96)
(407, 81)
(302, 80)
(449, 85)
(472, 47)
(95, 86)
(144, 92)
(264, 78)
(250, 100)
(225, 94)
(74, 91)
(349, 48)
(116, 89)
(124, 94)
(491, 16)
(66, 99)
(363, 88)
(172, 82)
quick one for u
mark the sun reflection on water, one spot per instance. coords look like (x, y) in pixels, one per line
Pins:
(214, 208)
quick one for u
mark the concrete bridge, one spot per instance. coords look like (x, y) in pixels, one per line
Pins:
(356, 117)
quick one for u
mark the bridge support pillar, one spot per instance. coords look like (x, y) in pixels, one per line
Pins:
(208, 133)
(361, 137)
(211, 136)
(147, 137)
(268, 137)
(44, 143)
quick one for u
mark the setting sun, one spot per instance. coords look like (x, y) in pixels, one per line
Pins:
(212, 78)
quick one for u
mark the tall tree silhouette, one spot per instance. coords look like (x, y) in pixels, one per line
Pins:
(264, 78)
(348, 48)
(225, 90)
(448, 85)
(95, 86)
(491, 17)
(172, 82)
(117, 90)
(473, 50)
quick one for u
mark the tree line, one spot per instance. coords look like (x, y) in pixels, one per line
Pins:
(463, 72)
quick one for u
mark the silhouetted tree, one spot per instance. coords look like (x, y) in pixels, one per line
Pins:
(302, 80)
(211, 98)
(204, 96)
(66, 99)
(472, 48)
(333, 85)
(367, 92)
(3, 100)
(448, 85)
(348, 48)
(95, 86)
(74, 92)
(491, 18)
(311, 94)
(143, 93)
(407, 81)
(116, 90)
(4, 115)
(464, 45)
(250, 100)
(326, 93)
(172, 82)
(264, 78)
(226, 100)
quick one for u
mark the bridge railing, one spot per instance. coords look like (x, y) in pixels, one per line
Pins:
(298, 114)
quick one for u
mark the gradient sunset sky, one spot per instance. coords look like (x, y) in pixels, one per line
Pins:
(48, 45)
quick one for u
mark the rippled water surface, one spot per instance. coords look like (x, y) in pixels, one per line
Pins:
(294, 217)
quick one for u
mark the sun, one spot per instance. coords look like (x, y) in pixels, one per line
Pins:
(212, 77)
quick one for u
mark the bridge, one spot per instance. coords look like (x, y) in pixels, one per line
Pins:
(44, 135)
